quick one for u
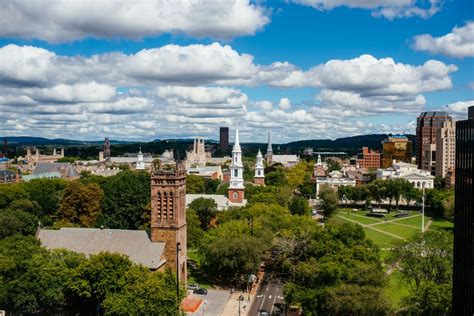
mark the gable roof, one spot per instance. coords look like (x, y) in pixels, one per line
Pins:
(91, 241)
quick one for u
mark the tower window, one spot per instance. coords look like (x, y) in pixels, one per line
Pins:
(236, 195)
(236, 173)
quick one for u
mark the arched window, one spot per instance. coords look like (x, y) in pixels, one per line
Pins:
(236, 195)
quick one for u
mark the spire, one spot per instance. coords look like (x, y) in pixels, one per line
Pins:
(319, 160)
(237, 141)
(259, 154)
(269, 149)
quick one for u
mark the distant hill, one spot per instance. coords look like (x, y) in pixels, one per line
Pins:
(40, 141)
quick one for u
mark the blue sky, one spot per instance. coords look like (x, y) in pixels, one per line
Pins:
(305, 68)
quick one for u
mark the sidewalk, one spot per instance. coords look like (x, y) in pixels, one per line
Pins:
(232, 306)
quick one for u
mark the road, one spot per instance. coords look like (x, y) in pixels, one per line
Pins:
(269, 297)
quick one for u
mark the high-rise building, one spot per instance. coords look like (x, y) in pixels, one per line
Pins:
(445, 148)
(168, 216)
(224, 139)
(106, 148)
(398, 148)
(259, 178)
(427, 126)
(236, 187)
(463, 277)
(368, 159)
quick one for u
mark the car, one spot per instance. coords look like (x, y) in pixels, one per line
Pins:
(193, 287)
(263, 312)
(200, 291)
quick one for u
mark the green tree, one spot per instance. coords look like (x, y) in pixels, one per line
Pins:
(17, 222)
(47, 192)
(81, 203)
(126, 200)
(426, 263)
(299, 206)
(378, 191)
(211, 185)
(193, 229)
(206, 210)
(195, 184)
(10, 193)
(276, 178)
(329, 200)
(296, 174)
(333, 165)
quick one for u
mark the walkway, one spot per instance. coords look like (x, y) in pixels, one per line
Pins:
(370, 227)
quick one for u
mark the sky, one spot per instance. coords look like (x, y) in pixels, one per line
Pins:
(304, 69)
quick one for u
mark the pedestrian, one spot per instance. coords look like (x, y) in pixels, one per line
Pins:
(232, 291)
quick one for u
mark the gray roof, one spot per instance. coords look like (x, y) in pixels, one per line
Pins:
(48, 167)
(90, 241)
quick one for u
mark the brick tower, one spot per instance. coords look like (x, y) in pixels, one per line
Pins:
(168, 216)
(236, 187)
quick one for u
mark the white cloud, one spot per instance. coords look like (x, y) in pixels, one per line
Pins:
(61, 21)
(389, 9)
(459, 43)
(264, 105)
(459, 109)
(284, 104)
(471, 85)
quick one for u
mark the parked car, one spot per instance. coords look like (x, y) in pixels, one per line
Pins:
(263, 312)
(193, 287)
(200, 291)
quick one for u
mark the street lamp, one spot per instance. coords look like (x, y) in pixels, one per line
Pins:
(423, 208)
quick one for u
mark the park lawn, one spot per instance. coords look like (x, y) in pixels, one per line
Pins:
(362, 219)
(396, 289)
(380, 239)
(442, 224)
(401, 231)
(413, 221)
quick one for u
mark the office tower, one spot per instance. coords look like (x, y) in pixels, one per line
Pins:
(224, 139)
(463, 277)
(368, 159)
(398, 148)
(427, 125)
(445, 148)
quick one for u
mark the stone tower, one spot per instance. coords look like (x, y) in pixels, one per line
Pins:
(259, 178)
(269, 155)
(168, 215)
(236, 187)
(106, 148)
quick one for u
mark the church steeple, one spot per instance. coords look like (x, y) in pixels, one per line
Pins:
(236, 188)
(259, 178)
(269, 155)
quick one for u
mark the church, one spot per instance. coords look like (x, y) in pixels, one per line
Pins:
(167, 245)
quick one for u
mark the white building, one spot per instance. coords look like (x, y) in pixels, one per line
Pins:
(286, 160)
(259, 177)
(334, 180)
(209, 172)
(222, 201)
(419, 178)
(198, 156)
(236, 187)
(140, 165)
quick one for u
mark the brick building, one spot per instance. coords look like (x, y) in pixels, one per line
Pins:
(368, 159)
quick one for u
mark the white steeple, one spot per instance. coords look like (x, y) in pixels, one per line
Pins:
(319, 161)
(269, 148)
(140, 162)
(236, 168)
(259, 169)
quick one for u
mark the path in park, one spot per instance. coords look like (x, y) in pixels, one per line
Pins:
(370, 227)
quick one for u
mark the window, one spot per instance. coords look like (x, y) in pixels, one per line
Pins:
(236, 195)
(236, 173)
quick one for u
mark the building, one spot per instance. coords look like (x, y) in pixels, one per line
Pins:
(167, 245)
(427, 126)
(208, 172)
(106, 149)
(417, 177)
(259, 177)
(140, 165)
(7, 176)
(445, 148)
(39, 158)
(286, 160)
(223, 203)
(335, 179)
(368, 159)
(396, 148)
(236, 187)
(463, 272)
(198, 156)
(224, 139)
(4, 163)
(168, 216)
(320, 168)
(269, 154)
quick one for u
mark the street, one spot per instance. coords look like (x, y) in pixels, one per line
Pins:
(269, 297)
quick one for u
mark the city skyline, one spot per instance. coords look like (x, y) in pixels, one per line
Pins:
(307, 69)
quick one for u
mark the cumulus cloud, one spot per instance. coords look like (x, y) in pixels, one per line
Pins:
(459, 109)
(178, 91)
(389, 9)
(459, 43)
(61, 21)
(284, 104)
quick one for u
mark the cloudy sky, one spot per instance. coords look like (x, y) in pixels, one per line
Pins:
(306, 69)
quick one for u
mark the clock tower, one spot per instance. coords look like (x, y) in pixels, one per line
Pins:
(236, 188)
